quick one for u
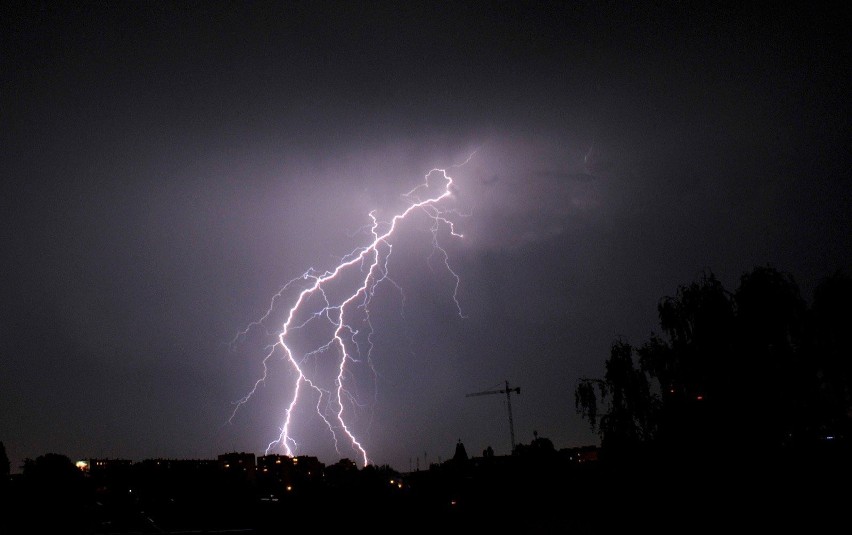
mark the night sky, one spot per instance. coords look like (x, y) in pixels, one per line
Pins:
(168, 167)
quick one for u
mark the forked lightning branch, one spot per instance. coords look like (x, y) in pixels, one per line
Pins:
(321, 303)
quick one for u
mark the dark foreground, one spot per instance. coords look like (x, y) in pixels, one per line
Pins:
(807, 492)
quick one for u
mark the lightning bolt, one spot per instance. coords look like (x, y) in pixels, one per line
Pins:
(362, 271)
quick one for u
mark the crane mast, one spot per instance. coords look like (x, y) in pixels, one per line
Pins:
(508, 391)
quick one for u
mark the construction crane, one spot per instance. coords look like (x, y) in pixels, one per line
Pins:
(508, 391)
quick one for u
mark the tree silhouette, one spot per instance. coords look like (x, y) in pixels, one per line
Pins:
(4, 474)
(4, 463)
(694, 361)
(754, 365)
(629, 419)
(830, 325)
(56, 493)
(773, 377)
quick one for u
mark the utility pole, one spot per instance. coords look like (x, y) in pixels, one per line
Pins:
(508, 391)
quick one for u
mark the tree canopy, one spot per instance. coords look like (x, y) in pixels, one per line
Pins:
(755, 366)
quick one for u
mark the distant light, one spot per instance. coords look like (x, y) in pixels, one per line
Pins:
(83, 465)
(699, 398)
(829, 437)
(392, 481)
(453, 502)
(277, 461)
(399, 485)
(671, 390)
(289, 488)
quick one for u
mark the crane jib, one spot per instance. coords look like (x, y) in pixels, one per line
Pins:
(508, 391)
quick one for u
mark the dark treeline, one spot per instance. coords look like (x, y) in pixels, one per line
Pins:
(757, 366)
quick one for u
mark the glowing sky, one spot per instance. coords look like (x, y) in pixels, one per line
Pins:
(168, 167)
